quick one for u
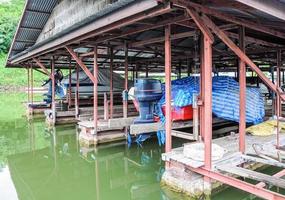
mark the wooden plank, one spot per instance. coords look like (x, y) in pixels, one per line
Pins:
(252, 175)
(184, 135)
(263, 161)
(121, 122)
(136, 129)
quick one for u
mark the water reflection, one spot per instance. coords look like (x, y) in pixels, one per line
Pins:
(62, 169)
(37, 163)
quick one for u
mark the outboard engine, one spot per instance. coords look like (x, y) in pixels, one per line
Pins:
(147, 93)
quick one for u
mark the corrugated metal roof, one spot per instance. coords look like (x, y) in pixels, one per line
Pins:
(34, 18)
(38, 20)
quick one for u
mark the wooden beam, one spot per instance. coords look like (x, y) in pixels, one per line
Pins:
(42, 72)
(205, 30)
(243, 22)
(158, 40)
(81, 64)
(140, 29)
(127, 15)
(38, 62)
(253, 40)
(252, 175)
(221, 34)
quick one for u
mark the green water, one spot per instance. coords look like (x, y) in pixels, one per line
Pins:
(41, 164)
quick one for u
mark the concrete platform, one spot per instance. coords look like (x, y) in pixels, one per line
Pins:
(180, 178)
(87, 140)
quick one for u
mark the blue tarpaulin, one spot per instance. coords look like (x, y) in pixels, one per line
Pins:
(225, 98)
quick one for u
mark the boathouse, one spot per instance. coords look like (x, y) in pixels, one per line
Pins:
(170, 39)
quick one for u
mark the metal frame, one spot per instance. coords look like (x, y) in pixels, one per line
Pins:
(204, 23)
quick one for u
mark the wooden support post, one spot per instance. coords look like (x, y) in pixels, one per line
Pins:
(53, 91)
(69, 86)
(195, 118)
(32, 85)
(28, 73)
(125, 99)
(77, 93)
(95, 89)
(111, 82)
(278, 100)
(207, 101)
(242, 93)
(206, 87)
(168, 123)
(202, 80)
(106, 107)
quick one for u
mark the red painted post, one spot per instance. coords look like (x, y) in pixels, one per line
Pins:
(207, 101)
(77, 93)
(278, 102)
(125, 102)
(168, 123)
(28, 73)
(69, 85)
(242, 93)
(32, 85)
(95, 89)
(111, 82)
(106, 107)
(53, 91)
(202, 82)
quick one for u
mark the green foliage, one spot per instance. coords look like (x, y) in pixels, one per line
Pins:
(10, 13)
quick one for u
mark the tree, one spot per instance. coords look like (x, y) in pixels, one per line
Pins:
(10, 12)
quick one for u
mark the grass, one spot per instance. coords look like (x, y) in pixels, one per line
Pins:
(10, 12)
(17, 76)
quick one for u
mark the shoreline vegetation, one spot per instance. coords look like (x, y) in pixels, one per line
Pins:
(11, 79)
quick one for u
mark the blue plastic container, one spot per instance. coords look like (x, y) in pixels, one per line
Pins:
(147, 92)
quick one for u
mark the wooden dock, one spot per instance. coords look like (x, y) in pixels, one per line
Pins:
(177, 126)
(84, 114)
(107, 130)
(233, 164)
(36, 109)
